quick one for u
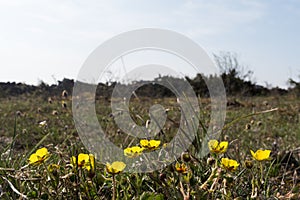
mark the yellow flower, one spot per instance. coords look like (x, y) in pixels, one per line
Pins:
(81, 160)
(181, 168)
(39, 156)
(133, 152)
(53, 168)
(229, 164)
(261, 155)
(150, 144)
(216, 147)
(115, 168)
(84, 161)
(91, 165)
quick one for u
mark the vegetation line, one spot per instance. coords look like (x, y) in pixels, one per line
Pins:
(246, 116)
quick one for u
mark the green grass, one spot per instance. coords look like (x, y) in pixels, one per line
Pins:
(21, 135)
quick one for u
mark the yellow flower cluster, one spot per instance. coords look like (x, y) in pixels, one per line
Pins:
(221, 147)
(135, 151)
(87, 161)
(217, 147)
(150, 144)
(82, 161)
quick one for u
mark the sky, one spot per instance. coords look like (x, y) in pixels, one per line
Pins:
(51, 39)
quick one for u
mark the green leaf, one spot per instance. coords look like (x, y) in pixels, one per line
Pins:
(151, 196)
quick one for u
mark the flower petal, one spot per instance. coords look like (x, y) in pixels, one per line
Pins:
(223, 147)
(43, 152)
(33, 159)
(212, 145)
(144, 143)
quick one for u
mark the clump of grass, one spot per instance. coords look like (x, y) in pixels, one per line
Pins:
(68, 171)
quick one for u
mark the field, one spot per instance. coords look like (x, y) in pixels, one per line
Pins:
(268, 123)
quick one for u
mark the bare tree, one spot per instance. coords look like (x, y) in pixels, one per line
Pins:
(228, 64)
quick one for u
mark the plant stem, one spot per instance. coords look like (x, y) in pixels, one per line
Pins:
(186, 196)
(261, 173)
(114, 187)
(213, 173)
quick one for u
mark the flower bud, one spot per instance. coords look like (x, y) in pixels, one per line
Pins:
(248, 126)
(211, 161)
(248, 164)
(185, 157)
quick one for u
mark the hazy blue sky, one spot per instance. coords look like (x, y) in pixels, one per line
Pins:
(50, 39)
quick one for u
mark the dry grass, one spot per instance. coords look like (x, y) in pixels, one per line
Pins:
(21, 135)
